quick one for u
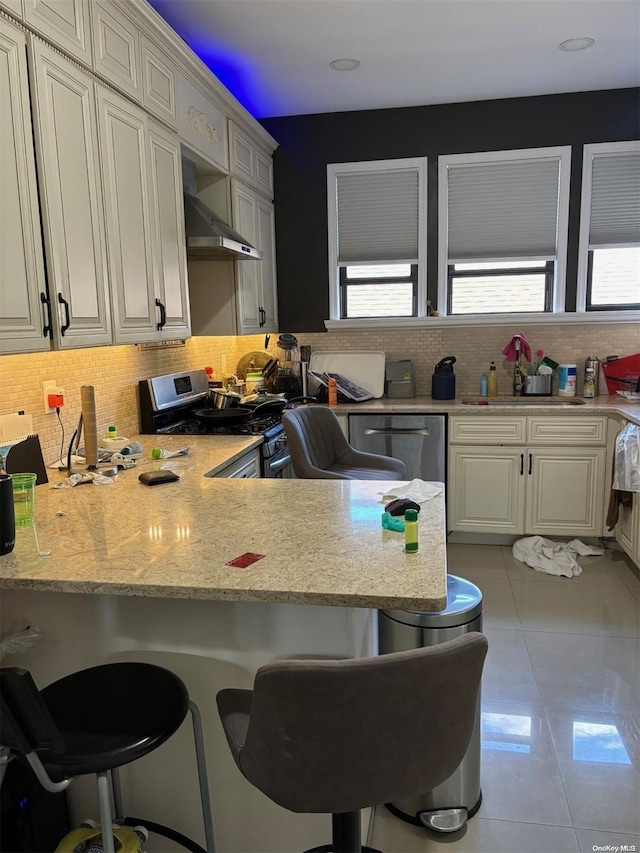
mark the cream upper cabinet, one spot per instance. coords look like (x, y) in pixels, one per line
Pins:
(168, 240)
(202, 125)
(501, 484)
(159, 85)
(116, 48)
(65, 125)
(64, 23)
(13, 7)
(23, 315)
(257, 299)
(249, 163)
(123, 152)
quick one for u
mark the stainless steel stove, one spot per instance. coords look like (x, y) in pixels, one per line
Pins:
(168, 404)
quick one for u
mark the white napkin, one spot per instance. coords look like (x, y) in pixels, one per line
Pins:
(416, 490)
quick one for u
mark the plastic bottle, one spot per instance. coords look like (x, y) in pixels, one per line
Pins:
(484, 385)
(112, 432)
(411, 530)
(159, 453)
(332, 392)
(589, 387)
(493, 380)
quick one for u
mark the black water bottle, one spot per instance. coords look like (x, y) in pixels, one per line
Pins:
(7, 518)
(443, 381)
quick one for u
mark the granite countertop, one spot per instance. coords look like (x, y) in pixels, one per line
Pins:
(426, 405)
(322, 540)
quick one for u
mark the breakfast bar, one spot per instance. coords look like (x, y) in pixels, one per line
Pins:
(148, 569)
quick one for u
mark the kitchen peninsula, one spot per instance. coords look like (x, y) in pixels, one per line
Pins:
(148, 566)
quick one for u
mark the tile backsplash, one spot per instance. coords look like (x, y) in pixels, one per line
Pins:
(115, 371)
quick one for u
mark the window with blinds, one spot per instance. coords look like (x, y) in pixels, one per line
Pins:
(609, 253)
(377, 238)
(503, 231)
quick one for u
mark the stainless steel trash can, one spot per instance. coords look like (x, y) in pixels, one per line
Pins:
(448, 807)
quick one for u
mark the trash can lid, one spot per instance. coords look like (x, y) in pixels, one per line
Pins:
(464, 604)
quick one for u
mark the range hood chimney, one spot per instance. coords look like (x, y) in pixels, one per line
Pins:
(208, 236)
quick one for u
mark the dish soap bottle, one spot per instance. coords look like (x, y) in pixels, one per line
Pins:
(484, 385)
(493, 380)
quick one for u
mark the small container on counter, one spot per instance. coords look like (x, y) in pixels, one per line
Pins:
(493, 380)
(411, 531)
(484, 385)
(567, 379)
(332, 392)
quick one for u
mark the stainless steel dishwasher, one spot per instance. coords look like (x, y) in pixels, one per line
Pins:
(418, 440)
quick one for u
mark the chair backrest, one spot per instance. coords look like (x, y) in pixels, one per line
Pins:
(25, 722)
(336, 736)
(315, 440)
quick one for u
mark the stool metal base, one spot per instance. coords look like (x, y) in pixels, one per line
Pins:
(346, 835)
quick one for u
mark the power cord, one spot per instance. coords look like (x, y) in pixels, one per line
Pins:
(62, 428)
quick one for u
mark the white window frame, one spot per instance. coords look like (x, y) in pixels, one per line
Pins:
(335, 169)
(561, 153)
(588, 152)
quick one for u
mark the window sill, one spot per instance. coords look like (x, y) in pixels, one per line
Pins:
(566, 318)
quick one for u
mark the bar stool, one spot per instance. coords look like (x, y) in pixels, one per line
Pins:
(340, 736)
(95, 721)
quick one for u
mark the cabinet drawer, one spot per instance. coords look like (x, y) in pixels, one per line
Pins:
(487, 430)
(247, 467)
(574, 431)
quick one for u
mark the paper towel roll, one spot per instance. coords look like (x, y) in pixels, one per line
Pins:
(88, 402)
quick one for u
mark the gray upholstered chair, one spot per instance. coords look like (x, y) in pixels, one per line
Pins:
(320, 451)
(340, 736)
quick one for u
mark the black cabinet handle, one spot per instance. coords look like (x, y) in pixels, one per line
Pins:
(530, 462)
(67, 319)
(47, 329)
(521, 464)
(263, 316)
(163, 315)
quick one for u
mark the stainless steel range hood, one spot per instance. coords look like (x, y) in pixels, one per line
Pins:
(210, 238)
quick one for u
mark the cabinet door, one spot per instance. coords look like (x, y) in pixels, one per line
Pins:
(244, 220)
(264, 173)
(564, 491)
(13, 7)
(116, 48)
(22, 279)
(268, 291)
(628, 530)
(66, 138)
(169, 253)
(64, 23)
(159, 88)
(123, 143)
(242, 155)
(486, 489)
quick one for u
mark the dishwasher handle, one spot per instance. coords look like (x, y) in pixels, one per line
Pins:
(394, 431)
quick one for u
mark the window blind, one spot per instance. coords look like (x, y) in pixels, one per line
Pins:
(503, 210)
(615, 200)
(377, 216)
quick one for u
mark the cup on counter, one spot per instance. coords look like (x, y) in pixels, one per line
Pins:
(24, 495)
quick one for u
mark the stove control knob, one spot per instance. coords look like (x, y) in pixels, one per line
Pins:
(281, 442)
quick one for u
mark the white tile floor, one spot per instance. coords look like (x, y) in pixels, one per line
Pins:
(563, 669)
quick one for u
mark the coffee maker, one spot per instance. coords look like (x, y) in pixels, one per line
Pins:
(288, 379)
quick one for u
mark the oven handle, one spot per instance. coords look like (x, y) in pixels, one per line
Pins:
(278, 464)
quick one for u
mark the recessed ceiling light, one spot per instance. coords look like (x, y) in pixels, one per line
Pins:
(577, 44)
(345, 64)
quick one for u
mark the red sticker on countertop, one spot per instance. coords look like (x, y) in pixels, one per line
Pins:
(245, 560)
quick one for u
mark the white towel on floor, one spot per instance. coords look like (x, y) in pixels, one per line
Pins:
(553, 558)
(417, 490)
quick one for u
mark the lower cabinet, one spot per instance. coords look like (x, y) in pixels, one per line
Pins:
(628, 530)
(247, 467)
(517, 488)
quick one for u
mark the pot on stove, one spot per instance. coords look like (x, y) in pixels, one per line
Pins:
(219, 398)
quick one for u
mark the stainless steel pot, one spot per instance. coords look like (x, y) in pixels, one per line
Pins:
(221, 399)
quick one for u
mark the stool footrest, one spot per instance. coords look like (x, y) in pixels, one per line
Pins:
(166, 832)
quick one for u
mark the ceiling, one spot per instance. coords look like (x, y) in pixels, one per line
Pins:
(274, 55)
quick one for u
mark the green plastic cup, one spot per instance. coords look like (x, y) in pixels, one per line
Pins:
(24, 496)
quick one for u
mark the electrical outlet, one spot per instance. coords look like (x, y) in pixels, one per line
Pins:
(49, 387)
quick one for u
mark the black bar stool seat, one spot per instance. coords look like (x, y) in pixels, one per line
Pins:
(112, 715)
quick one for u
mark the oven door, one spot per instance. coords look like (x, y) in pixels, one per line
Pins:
(278, 466)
